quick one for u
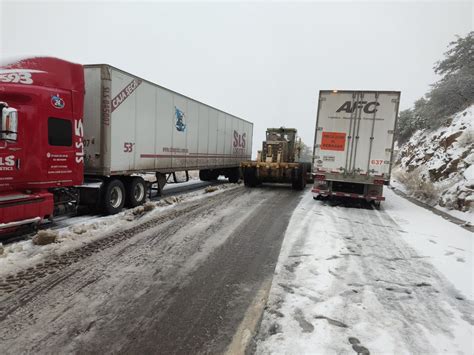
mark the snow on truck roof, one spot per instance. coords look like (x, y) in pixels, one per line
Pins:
(43, 71)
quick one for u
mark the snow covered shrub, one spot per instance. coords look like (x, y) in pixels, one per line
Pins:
(417, 186)
(454, 92)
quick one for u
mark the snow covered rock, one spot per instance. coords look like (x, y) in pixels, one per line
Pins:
(211, 189)
(437, 166)
(45, 237)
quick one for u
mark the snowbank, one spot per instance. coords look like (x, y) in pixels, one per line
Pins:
(437, 166)
(78, 231)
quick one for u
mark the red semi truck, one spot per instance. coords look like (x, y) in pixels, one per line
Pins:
(81, 135)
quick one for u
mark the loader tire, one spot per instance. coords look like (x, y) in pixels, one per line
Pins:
(298, 180)
(250, 177)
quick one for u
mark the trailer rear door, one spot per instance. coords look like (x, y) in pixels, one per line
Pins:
(355, 131)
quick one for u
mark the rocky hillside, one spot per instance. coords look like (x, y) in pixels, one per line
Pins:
(437, 166)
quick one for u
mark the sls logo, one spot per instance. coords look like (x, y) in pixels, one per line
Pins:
(79, 133)
(57, 101)
(239, 143)
(7, 163)
(368, 107)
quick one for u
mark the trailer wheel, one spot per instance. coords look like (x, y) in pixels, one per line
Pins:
(136, 192)
(208, 175)
(204, 175)
(114, 197)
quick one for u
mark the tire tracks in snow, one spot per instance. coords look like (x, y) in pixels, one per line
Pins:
(361, 280)
(111, 292)
(404, 285)
(17, 289)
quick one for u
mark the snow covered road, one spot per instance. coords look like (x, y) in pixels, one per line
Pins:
(355, 280)
(179, 282)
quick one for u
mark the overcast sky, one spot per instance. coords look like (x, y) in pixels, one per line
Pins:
(262, 61)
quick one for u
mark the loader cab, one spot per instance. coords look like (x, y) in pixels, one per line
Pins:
(279, 145)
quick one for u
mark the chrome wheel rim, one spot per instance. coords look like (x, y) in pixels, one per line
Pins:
(139, 192)
(116, 196)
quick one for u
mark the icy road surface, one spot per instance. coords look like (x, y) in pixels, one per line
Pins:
(179, 282)
(360, 281)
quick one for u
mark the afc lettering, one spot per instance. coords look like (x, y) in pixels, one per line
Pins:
(368, 107)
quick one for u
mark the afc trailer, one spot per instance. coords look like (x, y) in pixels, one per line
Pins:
(353, 143)
(73, 134)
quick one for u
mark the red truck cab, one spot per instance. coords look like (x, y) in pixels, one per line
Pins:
(41, 148)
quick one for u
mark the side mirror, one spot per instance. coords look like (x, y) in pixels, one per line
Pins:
(9, 124)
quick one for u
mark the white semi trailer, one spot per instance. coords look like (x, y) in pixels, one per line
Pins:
(134, 126)
(353, 143)
(73, 135)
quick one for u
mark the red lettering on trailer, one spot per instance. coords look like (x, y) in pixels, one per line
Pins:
(128, 147)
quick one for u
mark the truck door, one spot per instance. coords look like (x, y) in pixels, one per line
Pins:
(61, 148)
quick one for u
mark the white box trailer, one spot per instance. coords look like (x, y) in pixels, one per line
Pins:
(134, 126)
(353, 143)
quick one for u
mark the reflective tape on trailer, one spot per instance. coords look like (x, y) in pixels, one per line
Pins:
(346, 194)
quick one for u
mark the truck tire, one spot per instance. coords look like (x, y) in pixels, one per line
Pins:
(114, 197)
(135, 192)
(250, 177)
(208, 175)
(204, 175)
